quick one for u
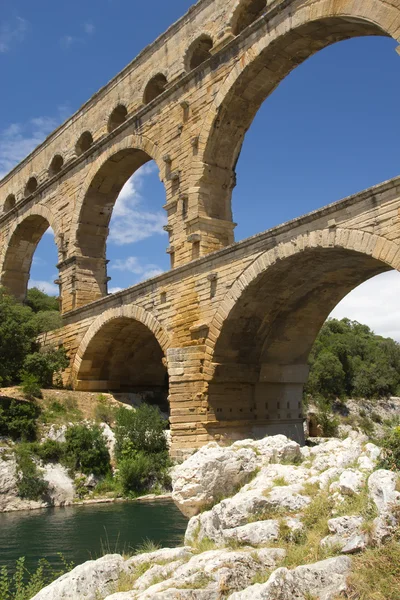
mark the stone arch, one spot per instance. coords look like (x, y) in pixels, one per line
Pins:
(95, 203)
(31, 186)
(117, 117)
(155, 87)
(84, 142)
(198, 52)
(385, 253)
(275, 48)
(266, 325)
(56, 164)
(246, 12)
(18, 250)
(9, 203)
(124, 349)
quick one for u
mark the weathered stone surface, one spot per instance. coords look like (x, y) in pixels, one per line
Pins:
(210, 473)
(324, 580)
(90, 580)
(382, 489)
(350, 482)
(347, 535)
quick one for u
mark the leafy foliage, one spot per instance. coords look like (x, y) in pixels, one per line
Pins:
(30, 386)
(140, 430)
(391, 450)
(38, 301)
(19, 327)
(44, 365)
(23, 585)
(86, 450)
(31, 484)
(18, 419)
(141, 472)
(348, 359)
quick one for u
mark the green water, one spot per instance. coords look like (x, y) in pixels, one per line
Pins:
(81, 533)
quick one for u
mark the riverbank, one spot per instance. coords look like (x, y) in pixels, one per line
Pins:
(268, 520)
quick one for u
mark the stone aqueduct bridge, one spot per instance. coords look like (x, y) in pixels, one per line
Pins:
(231, 324)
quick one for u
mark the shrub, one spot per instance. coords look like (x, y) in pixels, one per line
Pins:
(391, 450)
(142, 472)
(104, 412)
(50, 451)
(31, 484)
(30, 386)
(45, 365)
(140, 430)
(18, 420)
(86, 450)
(328, 422)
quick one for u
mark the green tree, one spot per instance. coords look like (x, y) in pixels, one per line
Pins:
(86, 450)
(45, 364)
(38, 301)
(139, 430)
(17, 337)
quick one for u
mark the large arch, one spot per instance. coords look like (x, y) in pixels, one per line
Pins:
(266, 326)
(124, 350)
(93, 210)
(277, 45)
(18, 249)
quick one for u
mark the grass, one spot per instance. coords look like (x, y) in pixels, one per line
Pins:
(61, 412)
(358, 504)
(280, 481)
(204, 545)
(261, 577)
(376, 573)
(147, 546)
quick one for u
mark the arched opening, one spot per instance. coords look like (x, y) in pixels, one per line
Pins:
(154, 88)
(31, 186)
(18, 258)
(247, 12)
(56, 165)
(84, 143)
(135, 220)
(199, 52)
(261, 355)
(9, 203)
(117, 117)
(244, 95)
(125, 356)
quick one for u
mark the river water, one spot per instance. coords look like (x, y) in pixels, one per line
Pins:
(82, 533)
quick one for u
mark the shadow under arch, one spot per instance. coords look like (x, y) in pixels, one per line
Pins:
(18, 250)
(90, 226)
(273, 51)
(124, 350)
(270, 320)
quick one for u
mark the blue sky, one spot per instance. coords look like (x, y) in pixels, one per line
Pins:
(330, 129)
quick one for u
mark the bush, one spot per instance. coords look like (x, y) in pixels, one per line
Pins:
(31, 484)
(104, 412)
(45, 365)
(50, 451)
(140, 430)
(86, 450)
(140, 472)
(391, 450)
(18, 420)
(30, 386)
(38, 301)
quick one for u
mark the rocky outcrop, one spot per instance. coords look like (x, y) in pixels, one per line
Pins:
(91, 580)
(246, 537)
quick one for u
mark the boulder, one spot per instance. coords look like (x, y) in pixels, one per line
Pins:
(210, 473)
(91, 580)
(61, 487)
(382, 490)
(350, 482)
(324, 580)
(347, 535)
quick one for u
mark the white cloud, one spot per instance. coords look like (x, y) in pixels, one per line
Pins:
(131, 223)
(89, 28)
(11, 33)
(114, 290)
(67, 40)
(45, 286)
(132, 265)
(19, 139)
(49, 231)
(374, 303)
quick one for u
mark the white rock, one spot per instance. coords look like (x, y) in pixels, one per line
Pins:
(89, 581)
(61, 487)
(350, 482)
(210, 473)
(382, 489)
(365, 463)
(160, 556)
(109, 436)
(55, 433)
(324, 580)
(255, 534)
(345, 526)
